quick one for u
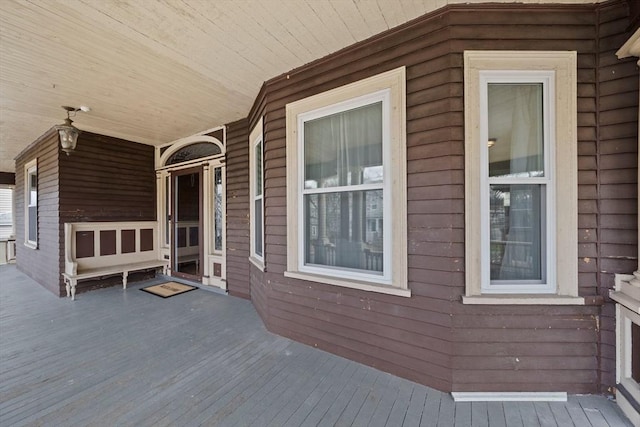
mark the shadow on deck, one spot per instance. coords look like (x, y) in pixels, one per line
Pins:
(129, 358)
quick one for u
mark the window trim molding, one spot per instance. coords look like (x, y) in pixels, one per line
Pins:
(256, 136)
(393, 81)
(30, 168)
(565, 171)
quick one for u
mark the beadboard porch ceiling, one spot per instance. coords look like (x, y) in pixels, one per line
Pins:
(153, 71)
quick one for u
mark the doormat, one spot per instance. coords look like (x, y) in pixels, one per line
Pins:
(169, 289)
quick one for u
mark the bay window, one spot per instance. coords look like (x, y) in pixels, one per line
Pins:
(521, 177)
(346, 171)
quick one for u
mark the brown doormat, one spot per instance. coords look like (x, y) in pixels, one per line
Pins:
(169, 289)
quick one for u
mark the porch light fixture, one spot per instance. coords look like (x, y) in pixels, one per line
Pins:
(67, 132)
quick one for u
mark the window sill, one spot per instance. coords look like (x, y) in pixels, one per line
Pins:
(31, 245)
(523, 299)
(256, 262)
(363, 286)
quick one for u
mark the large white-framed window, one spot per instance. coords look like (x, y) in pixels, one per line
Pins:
(346, 169)
(31, 204)
(521, 177)
(256, 191)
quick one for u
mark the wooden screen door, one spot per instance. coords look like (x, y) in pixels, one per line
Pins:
(186, 224)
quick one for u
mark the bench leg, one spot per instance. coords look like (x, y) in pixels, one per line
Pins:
(73, 289)
(124, 279)
(68, 287)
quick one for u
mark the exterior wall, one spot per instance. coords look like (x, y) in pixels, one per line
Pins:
(616, 208)
(41, 264)
(105, 179)
(432, 337)
(237, 220)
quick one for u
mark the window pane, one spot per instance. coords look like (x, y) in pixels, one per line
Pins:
(344, 148)
(336, 232)
(515, 115)
(193, 151)
(516, 232)
(218, 208)
(258, 226)
(258, 158)
(33, 224)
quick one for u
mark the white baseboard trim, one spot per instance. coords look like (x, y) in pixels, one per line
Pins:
(473, 396)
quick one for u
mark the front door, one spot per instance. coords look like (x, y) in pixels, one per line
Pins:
(187, 255)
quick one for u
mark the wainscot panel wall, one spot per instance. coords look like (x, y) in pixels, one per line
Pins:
(431, 337)
(42, 264)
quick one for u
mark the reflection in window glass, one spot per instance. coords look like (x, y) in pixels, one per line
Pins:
(344, 148)
(515, 129)
(516, 233)
(336, 231)
(218, 208)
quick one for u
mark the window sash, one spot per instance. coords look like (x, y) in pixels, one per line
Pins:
(31, 204)
(383, 97)
(257, 194)
(547, 284)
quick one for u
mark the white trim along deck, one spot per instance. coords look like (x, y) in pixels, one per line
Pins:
(128, 358)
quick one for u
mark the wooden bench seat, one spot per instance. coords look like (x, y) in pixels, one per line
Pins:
(100, 249)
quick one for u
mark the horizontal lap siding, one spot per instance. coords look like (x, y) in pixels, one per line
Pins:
(431, 337)
(406, 336)
(237, 220)
(617, 206)
(570, 357)
(42, 264)
(106, 179)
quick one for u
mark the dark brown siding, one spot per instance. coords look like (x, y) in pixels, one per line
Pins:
(42, 264)
(616, 157)
(7, 178)
(106, 179)
(431, 337)
(238, 209)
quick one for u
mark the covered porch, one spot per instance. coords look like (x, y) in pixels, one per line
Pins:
(125, 357)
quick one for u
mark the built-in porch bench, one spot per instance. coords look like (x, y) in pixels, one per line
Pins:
(100, 249)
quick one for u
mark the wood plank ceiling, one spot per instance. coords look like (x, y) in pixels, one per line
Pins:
(154, 71)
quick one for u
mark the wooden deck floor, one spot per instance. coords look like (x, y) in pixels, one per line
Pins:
(129, 358)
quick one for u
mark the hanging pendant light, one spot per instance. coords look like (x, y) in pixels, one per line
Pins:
(67, 132)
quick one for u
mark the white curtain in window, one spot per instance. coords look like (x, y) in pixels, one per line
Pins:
(343, 150)
(523, 255)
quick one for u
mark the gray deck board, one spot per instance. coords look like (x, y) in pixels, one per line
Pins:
(129, 358)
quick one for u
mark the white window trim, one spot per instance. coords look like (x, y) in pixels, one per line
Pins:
(255, 138)
(30, 168)
(394, 83)
(563, 65)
